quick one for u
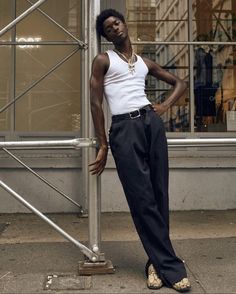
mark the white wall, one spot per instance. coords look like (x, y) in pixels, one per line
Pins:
(38, 194)
(192, 187)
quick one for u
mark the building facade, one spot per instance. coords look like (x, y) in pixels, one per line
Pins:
(44, 85)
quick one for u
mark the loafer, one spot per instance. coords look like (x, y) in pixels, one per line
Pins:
(182, 286)
(153, 280)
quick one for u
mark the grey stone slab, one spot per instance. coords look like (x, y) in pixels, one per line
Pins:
(216, 283)
(26, 283)
(212, 261)
(68, 282)
(39, 258)
(25, 267)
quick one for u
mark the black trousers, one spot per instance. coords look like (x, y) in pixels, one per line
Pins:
(139, 148)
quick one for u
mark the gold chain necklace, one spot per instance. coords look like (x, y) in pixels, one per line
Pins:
(130, 61)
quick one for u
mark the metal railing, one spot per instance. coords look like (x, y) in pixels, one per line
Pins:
(93, 253)
(202, 142)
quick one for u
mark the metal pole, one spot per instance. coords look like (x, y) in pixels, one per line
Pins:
(39, 80)
(176, 43)
(94, 193)
(92, 183)
(33, 43)
(11, 113)
(213, 142)
(20, 17)
(86, 251)
(87, 142)
(44, 180)
(191, 66)
(75, 143)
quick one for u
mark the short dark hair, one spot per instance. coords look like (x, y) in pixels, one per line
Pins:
(103, 16)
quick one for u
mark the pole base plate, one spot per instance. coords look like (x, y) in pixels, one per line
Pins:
(95, 268)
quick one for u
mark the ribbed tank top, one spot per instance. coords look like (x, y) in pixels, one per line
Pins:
(125, 91)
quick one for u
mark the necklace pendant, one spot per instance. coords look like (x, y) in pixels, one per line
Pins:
(131, 68)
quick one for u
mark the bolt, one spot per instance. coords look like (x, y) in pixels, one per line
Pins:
(94, 259)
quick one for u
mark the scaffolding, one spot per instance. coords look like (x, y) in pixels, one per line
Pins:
(95, 261)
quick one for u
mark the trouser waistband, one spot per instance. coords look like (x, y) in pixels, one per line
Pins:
(133, 114)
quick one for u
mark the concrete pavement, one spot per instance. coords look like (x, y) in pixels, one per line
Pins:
(35, 259)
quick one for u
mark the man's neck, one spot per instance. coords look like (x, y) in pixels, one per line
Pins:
(125, 47)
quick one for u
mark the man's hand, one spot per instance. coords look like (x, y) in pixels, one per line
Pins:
(99, 164)
(159, 108)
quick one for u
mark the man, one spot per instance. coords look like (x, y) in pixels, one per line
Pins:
(138, 144)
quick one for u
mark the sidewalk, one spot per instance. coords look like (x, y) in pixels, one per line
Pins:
(36, 259)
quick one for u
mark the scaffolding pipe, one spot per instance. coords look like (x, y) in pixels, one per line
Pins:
(21, 16)
(84, 46)
(44, 180)
(86, 251)
(93, 182)
(176, 43)
(92, 142)
(202, 142)
(39, 43)
(75, 143)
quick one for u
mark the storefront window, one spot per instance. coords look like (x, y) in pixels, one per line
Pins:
(209, 69)
(166, 21)
(214, 66)
(53, 103)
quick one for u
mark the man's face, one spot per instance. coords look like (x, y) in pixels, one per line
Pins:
(115, 30)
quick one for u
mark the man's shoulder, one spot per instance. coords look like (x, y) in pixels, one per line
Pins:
(101, 62)
(101, 58)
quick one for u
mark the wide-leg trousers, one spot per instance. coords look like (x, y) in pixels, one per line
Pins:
(139, 148)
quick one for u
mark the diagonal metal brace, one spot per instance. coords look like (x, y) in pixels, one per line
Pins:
(85, 250)
(20, 17)
(81, 211)
(80, 43)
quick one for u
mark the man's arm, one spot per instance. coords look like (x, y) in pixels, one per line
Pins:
(99, 68)
(179, 86)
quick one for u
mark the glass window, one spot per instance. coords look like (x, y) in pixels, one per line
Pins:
(53, 103)
(214, 66)
(211, 68)
(169, 25)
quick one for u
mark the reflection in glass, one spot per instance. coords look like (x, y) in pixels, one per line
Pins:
(66, 13)
(214, 69)
(54, 104)
(163, 21)
(175, 60)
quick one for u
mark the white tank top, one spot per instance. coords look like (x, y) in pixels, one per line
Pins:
(123, 90)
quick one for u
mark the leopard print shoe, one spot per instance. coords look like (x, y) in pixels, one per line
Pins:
(153, 281)
(182, 286)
